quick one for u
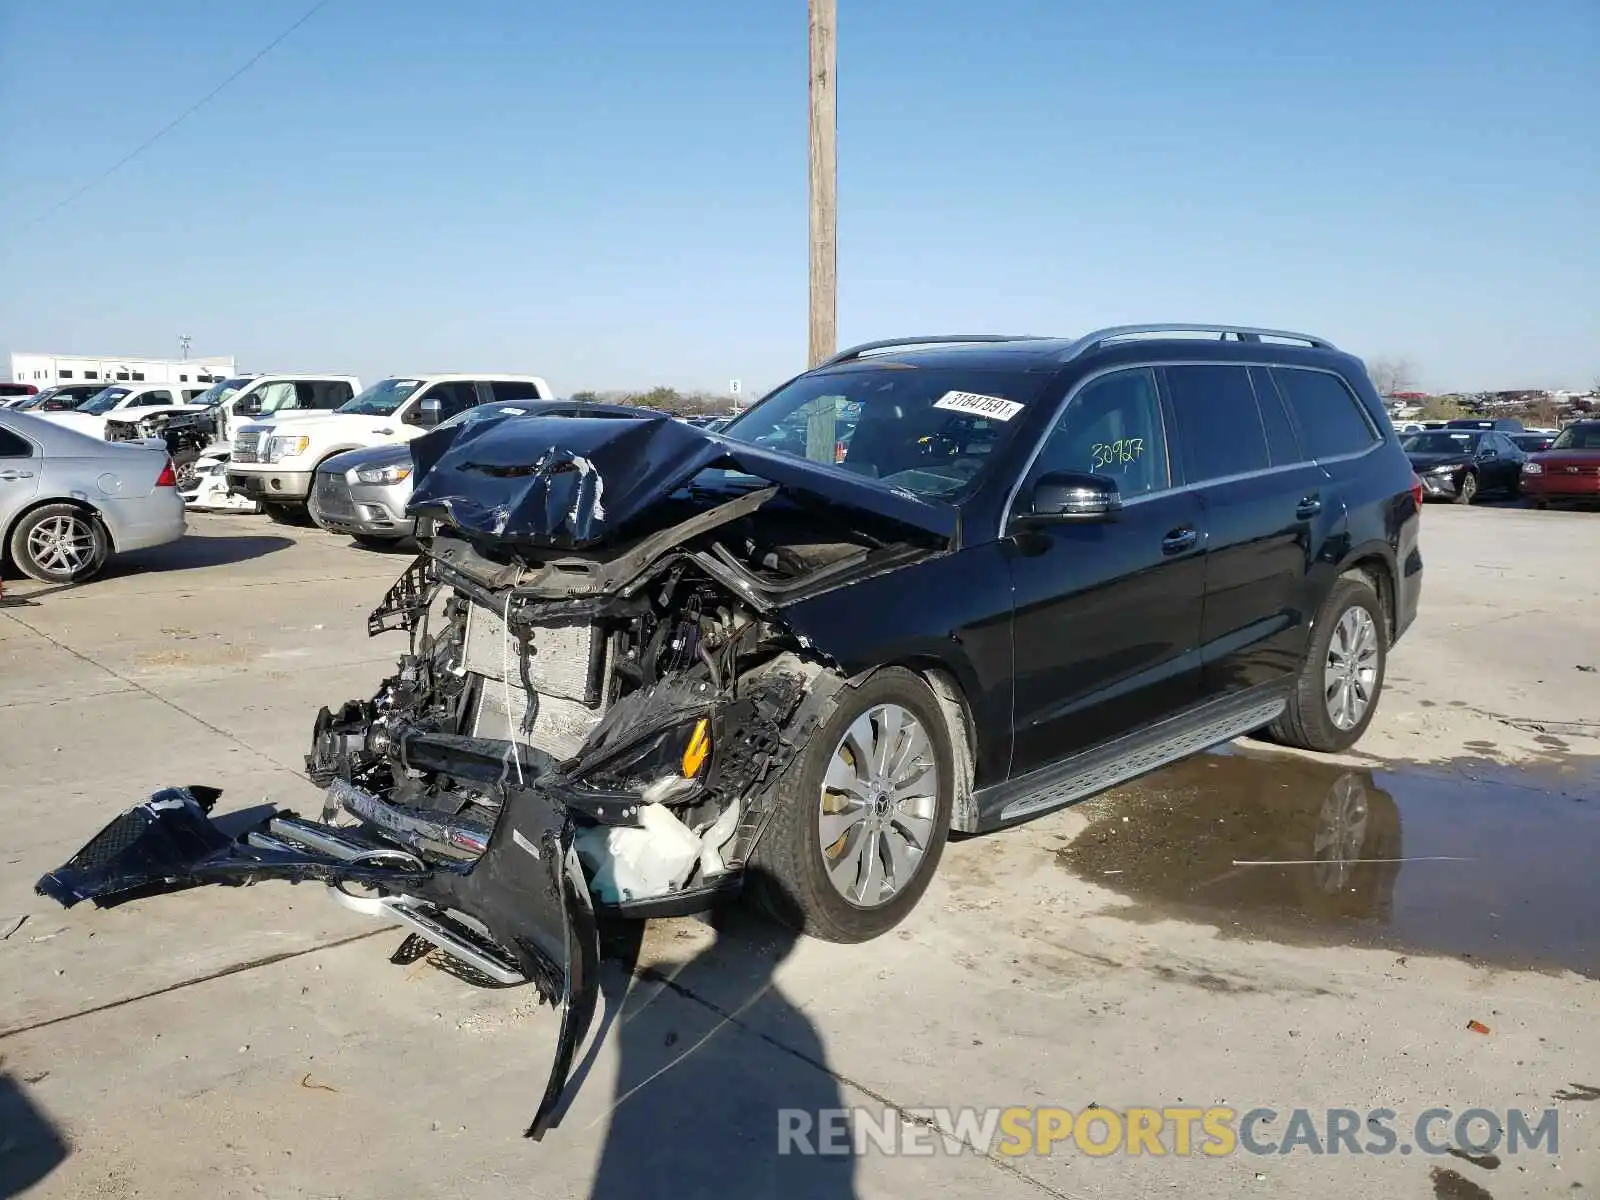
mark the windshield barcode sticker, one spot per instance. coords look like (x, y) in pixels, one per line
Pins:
(993, 407)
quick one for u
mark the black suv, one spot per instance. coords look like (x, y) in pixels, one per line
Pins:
(933, 584)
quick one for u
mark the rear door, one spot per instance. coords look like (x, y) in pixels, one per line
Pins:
(1267, 514)
(1107, 616)
(20, 468)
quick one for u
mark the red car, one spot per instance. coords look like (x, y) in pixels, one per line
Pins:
(1569, 470)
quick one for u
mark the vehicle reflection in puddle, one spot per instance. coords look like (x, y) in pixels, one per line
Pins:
(1483, 862)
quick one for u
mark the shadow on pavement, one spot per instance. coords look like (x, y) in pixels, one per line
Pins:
(711, 1053)
(193, 552)
(30, 1145)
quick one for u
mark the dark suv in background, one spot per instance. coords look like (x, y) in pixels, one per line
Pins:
(933, 584)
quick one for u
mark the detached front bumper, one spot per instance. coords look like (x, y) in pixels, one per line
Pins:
(520, 912)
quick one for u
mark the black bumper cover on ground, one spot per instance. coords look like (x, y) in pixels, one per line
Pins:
(527, 889)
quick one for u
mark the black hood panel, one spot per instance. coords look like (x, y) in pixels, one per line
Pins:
(573, 483)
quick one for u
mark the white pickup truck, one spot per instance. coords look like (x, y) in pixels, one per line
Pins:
(275, 461)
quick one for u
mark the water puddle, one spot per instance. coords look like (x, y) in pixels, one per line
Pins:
(1480, 861)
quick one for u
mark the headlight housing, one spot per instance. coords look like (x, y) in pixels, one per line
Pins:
(676, 759)
(1532, 468)
(389, 474)
(1444, 469)
(282, 447)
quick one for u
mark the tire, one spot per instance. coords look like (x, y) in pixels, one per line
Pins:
(1467, 489)
(1308, 722)
(186, 475)
(60, 543)
(384, 545)
(787, 874)
(287, 514)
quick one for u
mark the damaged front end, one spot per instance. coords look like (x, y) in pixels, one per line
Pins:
(593, 713)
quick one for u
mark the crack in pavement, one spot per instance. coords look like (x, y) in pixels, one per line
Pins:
(154, 695)
(219, 973)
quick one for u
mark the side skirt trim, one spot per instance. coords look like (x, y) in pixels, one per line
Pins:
(1094, 770)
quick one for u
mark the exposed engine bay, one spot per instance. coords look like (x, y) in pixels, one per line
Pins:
(599, 695)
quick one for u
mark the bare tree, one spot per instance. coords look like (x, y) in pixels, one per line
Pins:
(1391, 375)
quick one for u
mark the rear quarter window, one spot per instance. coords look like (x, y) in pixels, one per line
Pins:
(1331, 419)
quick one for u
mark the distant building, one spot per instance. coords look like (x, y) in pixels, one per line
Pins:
(47, 369)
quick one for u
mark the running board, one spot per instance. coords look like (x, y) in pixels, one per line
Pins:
(1095, 770)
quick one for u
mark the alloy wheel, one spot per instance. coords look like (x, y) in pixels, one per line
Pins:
(62, 544)
(879, 799)
(1350, 675)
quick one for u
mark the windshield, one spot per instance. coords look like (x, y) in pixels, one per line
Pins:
(104, 401)
(925, 430)
(1442, 441)
(218, 392)
(382, 399)
(1579, 437)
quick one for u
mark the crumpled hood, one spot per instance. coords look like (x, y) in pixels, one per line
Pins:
(574, 482)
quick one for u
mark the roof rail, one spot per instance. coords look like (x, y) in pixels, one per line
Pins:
(1242, 333)
(865, 348)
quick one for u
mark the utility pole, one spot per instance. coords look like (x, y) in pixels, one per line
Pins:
(824, 183)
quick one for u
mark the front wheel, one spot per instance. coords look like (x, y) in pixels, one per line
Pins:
(1337, 690)
(862, 816)
(1467, 489)
(60, 543)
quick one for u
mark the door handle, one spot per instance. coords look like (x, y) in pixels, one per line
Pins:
(1309, 507)
(1179, 540)
(16, 474)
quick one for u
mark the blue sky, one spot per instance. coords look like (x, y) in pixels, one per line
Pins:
(613, 194)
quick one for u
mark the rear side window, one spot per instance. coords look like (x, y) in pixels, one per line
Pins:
(12, 446)
(1219, 424)
(508, 389)
(1330, 417)
(1282, 441)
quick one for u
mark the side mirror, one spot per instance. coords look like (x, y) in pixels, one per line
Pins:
(1486, 455)
(1070, 497)
(426, 414)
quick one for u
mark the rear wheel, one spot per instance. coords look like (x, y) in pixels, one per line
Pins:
(60, 543)
(1341, 679)
(863, 815)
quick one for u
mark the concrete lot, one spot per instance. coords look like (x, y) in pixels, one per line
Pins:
(257, 1042)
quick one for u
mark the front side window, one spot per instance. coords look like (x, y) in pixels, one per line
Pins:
(1219, 424)
(1330, 417)
(149, 398)
(454, 398)
(1578, 437)
(382, 399)
(1112, 427)
(930, 431)
(278, 396)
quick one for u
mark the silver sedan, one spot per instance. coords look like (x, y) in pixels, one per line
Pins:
(69, 501)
